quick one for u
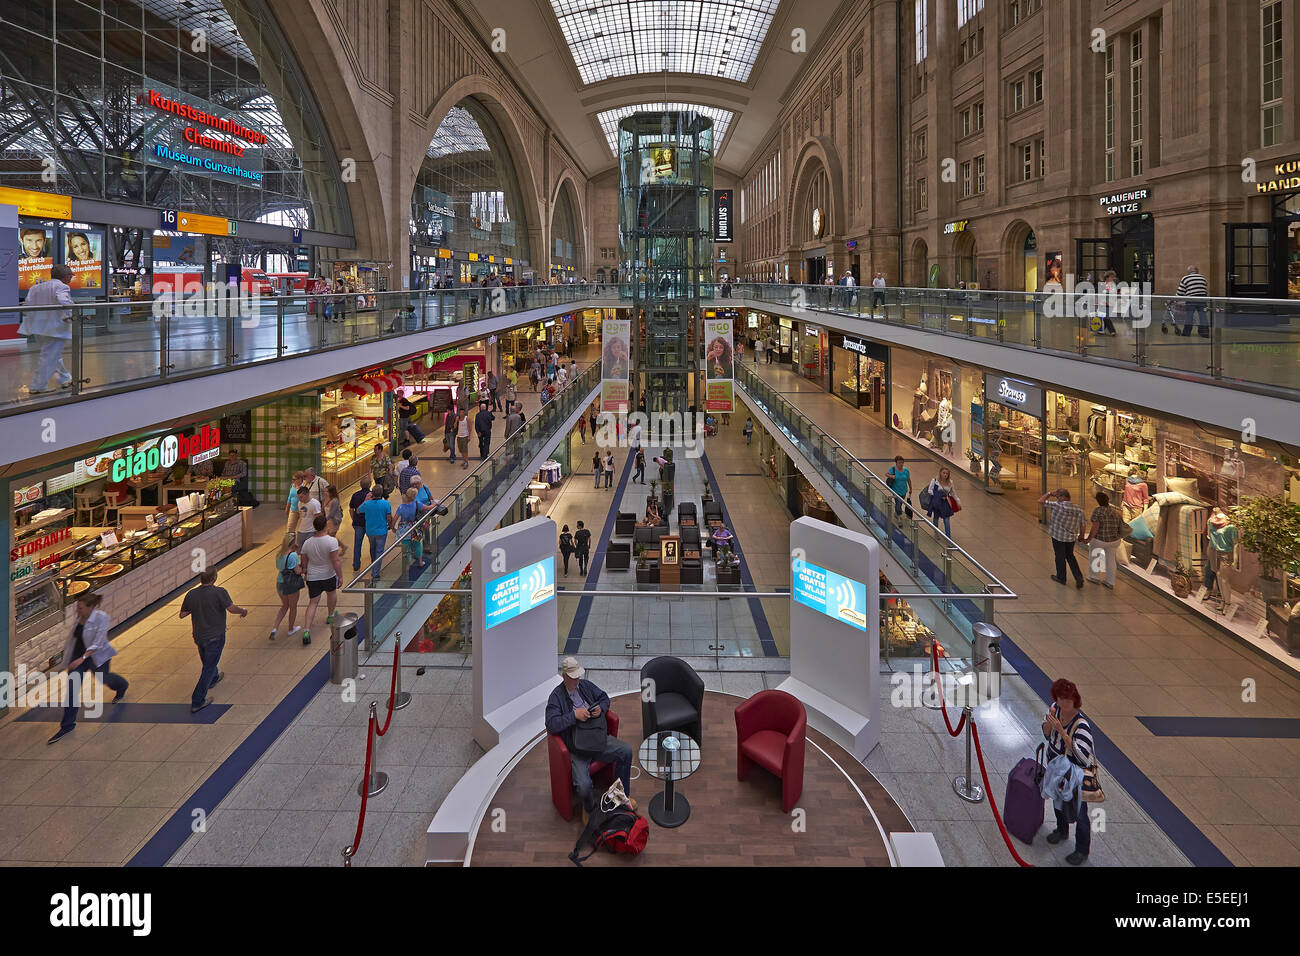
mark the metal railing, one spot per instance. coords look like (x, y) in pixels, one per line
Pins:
(937, 564)
(121, 345)
(1254, 343)
(695, 622)
(421, 553)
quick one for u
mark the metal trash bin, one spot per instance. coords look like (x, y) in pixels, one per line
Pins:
(343, 648)
(987, 658)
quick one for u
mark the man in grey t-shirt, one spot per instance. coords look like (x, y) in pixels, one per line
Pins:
(208, 606)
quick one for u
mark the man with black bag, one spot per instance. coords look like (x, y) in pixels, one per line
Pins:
(576, 713)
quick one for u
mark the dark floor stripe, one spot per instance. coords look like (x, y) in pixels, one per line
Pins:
(744, 474)
(171, 836)
(1194, 844)
(746, 580)
(1266, 728)
(597, 563)
(125, 713)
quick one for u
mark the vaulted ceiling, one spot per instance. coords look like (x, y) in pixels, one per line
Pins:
(587, 63)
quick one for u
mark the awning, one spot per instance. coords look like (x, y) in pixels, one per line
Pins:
(373, 384)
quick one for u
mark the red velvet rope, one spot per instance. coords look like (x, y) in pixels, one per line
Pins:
(365, 789)
(993, 803)
(392, 686)
(938, 683)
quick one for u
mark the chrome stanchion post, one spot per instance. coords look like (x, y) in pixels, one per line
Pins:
(378, 779)
(964, 786)
(403, 697)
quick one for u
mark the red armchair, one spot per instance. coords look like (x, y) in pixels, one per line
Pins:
(772, 731)
(602, 773)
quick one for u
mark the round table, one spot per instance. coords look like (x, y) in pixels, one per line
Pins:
(669, 809)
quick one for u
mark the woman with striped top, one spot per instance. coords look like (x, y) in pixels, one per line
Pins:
(1068, 733)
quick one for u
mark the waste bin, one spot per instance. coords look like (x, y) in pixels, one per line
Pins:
(343, 649)
(987, 660)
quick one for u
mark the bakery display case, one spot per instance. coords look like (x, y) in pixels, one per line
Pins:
(352, 427)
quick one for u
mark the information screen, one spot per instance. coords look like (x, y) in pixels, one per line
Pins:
(518, 592)
(832, 594)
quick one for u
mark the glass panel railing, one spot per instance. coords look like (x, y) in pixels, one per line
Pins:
(414, 559)
(1246, 341)
(937, 564)
(118, 345)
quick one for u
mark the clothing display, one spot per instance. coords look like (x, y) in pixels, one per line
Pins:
(1136, 496)
(1221, 538)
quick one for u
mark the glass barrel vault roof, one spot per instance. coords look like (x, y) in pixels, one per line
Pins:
(611, 38)
(609, 119)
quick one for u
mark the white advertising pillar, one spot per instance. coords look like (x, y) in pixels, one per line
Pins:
(516, 628)
(835, 632)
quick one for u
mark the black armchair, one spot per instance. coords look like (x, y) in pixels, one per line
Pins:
(690, 537)
(712, 510)
(624, 524)
(677, 701)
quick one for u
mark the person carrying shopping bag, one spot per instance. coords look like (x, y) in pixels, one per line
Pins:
(940, 501)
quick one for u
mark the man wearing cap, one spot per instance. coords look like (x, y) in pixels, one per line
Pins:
(576, 700)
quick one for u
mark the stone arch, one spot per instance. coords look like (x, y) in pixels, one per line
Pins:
(918, 264)
(495, 100)
(1012, 256)
(566, 185)
(817, 153)
(963, 257)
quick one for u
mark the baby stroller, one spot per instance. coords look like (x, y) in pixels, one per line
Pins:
(710, 426)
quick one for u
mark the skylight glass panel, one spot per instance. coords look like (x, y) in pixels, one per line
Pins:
(609, 119)
(611, 38)
(458, 133)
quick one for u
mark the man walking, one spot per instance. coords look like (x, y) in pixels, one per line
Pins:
(449, 423)
(462, 438)
(483, 426)
(878, 291)
(378, 515)
(51, 329)
(308, 509)
(208, 605)
(609, 470)
(515, 420)
(358, 521)
(493, 384)
(582, 544)
(1065, 526)
(749, 430)
(322, 569)
(847, 296)
(1194, 291)
(639, 474)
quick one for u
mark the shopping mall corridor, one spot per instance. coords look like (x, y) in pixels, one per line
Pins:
(1132, 652)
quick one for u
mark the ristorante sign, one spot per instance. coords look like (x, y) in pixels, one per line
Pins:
(188, 131)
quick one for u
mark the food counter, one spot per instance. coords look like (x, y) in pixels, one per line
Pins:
(56, 564)
(343, 463)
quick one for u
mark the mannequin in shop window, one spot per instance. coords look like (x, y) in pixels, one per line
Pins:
(944, 428)
(1220, 555)
(1136, 494)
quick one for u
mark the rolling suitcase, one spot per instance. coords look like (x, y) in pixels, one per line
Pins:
(1022, 809)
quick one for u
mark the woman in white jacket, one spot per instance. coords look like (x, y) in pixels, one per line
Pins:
(87, 649)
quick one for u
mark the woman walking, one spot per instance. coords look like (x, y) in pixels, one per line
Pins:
(1069, 734)
(87, 649)
(941, 500)
(1104, 540)
(566, 547)
(288, 583)
(332, 509)
(449, 434)
(291, 503)
(407, 512)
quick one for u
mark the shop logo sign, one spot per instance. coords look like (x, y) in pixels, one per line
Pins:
(197, 447)
(1011, 394)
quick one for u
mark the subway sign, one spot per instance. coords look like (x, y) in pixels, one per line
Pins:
(198, 447)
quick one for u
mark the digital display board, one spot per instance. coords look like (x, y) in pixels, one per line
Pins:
(832, 594)
(518, 592)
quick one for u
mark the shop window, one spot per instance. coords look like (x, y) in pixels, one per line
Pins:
(979, 174)
(920, 146)
(922, 199)
(966, 179)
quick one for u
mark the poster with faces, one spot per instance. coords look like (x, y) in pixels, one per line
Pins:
(83, 253)
(35, 255)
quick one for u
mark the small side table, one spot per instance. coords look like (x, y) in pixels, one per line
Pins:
(669, 809)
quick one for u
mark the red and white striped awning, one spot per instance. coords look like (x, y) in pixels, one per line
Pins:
(373, 384)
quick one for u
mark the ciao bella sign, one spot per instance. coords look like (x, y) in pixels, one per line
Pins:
(198, 447)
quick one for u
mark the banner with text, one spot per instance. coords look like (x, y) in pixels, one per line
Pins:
(616, 362)
(719, 355)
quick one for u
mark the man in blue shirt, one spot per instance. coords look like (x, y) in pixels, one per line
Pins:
(900, 479)
(359, 497)
(378, 515)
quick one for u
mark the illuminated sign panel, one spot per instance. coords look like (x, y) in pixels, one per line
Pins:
(202, 135)
(519, 592)
(838, 597)
(37, 204)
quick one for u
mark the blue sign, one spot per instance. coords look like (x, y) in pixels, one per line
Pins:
(167, 220)
(832, 594)
(297, 237)
(518, 592)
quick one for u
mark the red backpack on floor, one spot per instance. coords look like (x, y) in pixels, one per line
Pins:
(619, 831)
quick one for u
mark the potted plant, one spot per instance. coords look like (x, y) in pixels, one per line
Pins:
(728, 567)
(707, 496)
(1269, 526)
(640, 555)
(654, 483)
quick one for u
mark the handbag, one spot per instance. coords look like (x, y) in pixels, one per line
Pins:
(925, 498)
(291, 582)
(590, 736)
(1090, 790)
(954, 504)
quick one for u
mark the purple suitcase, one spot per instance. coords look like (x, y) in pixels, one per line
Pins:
(1022, 809)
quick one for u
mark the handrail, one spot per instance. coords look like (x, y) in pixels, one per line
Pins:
(879, 481)
(421, 523)
(601, 592)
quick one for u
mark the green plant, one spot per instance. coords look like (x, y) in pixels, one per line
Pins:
(640, 555)
(1269, 527)
(654, 482)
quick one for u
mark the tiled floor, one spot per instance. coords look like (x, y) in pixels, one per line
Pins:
(1130, 651)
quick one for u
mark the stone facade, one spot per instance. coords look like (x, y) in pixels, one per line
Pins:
(1013, 101)
(134, 592)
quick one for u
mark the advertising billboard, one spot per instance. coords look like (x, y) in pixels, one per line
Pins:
(719, 356)
(83, 251)
(518, 592)
(722, 231)
(836, 596)
(36, 255)
(616, 364)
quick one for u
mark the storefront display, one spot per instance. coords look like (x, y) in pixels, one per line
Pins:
(857, 370)
(935, 401)
(1014, 439)
(901, 633)
(353, 424)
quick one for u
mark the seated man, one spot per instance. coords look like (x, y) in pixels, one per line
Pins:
(576, 700)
